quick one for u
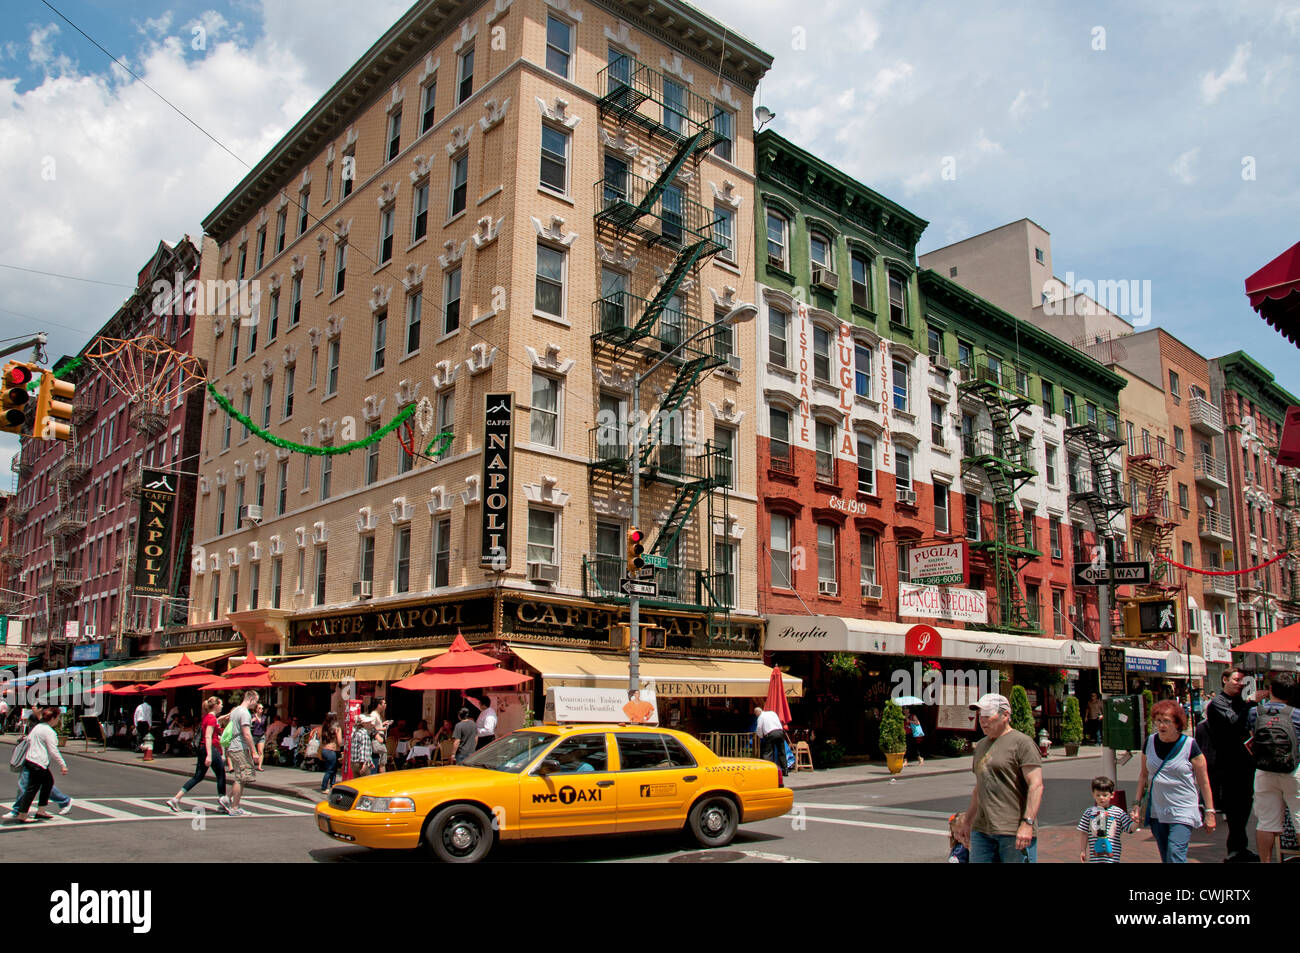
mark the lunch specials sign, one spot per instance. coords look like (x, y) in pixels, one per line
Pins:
(496, 481)
(941, 565)
(953, 605)
(154, 541)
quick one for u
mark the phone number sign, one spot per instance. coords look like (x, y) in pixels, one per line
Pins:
(945, 564)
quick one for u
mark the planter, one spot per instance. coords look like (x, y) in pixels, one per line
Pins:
(896, 762)
(1071, 750)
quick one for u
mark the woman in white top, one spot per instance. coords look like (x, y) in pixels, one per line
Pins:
(42, 751)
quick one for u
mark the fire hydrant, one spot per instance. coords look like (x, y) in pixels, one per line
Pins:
(1044, 743)
(147, 747)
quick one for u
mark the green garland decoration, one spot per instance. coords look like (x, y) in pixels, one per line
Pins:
(271, 438)
(443, 440)
(60, 374)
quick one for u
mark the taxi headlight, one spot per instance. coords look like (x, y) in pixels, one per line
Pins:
(386, 805)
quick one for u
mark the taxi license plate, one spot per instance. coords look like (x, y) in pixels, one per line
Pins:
(324, 824)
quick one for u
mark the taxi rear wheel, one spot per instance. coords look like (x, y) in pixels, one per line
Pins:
(459, 834)
(714, 820)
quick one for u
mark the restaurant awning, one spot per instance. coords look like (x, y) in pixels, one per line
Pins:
(686, 678)
(156, 666)
(387, 666)
(1274, 292)
(1286, 639)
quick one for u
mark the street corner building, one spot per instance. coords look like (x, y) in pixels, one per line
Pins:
(463, 256)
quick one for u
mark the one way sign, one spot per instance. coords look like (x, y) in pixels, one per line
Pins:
(1086, 574)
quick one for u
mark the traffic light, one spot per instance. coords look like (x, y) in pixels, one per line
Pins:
(15, 401)
(54, 408)
(635, 551)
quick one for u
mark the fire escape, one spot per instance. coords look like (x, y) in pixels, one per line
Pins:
(1288, 504)
(63, 581)
(998, 454)
(1153, 527)
(1094, 486)
(662, 236)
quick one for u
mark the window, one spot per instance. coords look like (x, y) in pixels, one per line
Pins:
(1174, 387)
(320, 272)
(543, 420)
(414, 305)
(261, 248)
(1049, 400)
(402, 560)
(866, 465)
(1038, 256)
(1069, 408)
(776, 239)
(819, 251)
(428, 99)
(826, 553)
(941, 508)
(614, 184)
(724, 232)
(459, 184)
(248, 414)
(550, 281)
(670, 226)
(778, 325)
(216, 597)
(225, 434)
(266, 404)
(541, 536)
(451, 308)
(282, 488)
(295, 302)
(394, 134)
(243, 262)
(859, 269)
(304, 197)
(934, 340)
(446, 416)
(900, 386)
(321, 561)
(380, 340)
(349, 172)
(372, 456)
(326, 476)
(674, 105)
(862, 370)
(867, 560)
(1187, 554)
(779, 425)
(903, 469)
(825, 451)
(1051, 464)
(781, 533)
(281, 220)
(1022, 380)
(261, 489)
(442, 554)
(972, 516)
(1031, 603)
(274, 327)
(936, 422)
(724, 442)
(277, 578)
(221, 510)
(897, 299)
(367, 573)
(724, 124)
(1183, 500)
(254, 595)
(332, 381)
(386, 234)
(288, 392)
(559, 46)
(723, 581)
(465, 76)
(235, 324)
(306, 474)
(1029, 514)
(1058, 611)
(555, 160)
(821, 354)
(340, 267)
(1180, 443)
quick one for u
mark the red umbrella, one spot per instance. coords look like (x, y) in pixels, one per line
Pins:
(248, 680)
(460, 657)
(185, 674)
(1283, 640)
(186, 667)
(139, 689)
(776, 702)
(461, 667)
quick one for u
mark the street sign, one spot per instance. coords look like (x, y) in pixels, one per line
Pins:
(634, 587)
(655, 561)
(1136, 573)
(1112, 671)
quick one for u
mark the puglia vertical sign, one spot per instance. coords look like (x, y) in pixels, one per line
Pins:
(154, 540)
(497, 442)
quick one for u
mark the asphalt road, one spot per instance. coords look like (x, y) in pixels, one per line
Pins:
(118, 815)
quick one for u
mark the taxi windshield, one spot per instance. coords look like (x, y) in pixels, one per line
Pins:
(512, 753)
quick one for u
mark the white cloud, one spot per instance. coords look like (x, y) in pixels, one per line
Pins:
(1288, 17)
(41, 51)
(157, 25)
(1212, 86)
(1184, 166)
(1027, 102)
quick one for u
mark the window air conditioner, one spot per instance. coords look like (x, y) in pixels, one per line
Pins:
(1056, 554)
(88, 631)
(827, 588)
(733, 362)
(363, 589)
(776, 261)
(940, 363)
(872, 591)
(825, 278)
(548, 573)
(250, 513)
(906, 496)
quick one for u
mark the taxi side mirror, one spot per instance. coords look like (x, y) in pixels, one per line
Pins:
(548, 766)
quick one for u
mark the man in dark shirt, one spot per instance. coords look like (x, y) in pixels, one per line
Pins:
(465, 735)
(1233, 771)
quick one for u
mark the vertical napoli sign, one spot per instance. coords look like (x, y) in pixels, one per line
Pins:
(496, 481)
(154, 541)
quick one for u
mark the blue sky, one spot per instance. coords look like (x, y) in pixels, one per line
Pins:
(1131, 154)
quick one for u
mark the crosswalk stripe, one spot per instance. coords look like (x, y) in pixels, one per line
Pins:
(884, 827)
(147, 805)
(943, 815)
(97, 808)
(297, 802)
(274, 809)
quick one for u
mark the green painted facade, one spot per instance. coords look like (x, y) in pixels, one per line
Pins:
(1256, 383)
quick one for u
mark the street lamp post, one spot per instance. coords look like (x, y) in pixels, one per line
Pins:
(737, 315)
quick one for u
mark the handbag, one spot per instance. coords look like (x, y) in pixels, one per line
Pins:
(1151, 786)
(19, 756)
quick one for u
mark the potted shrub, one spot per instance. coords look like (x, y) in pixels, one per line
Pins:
(956, 746)
(893, 743)
(1072, 727)
(1148, 702)
(1022, 715)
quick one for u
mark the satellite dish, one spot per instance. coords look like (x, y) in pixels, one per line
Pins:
(1209, 502)
(763, 115)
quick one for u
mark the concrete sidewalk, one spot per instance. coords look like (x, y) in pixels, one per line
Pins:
(877, 771)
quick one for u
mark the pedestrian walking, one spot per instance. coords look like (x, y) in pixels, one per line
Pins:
(42, 752)
(771, 736)
(1093, 714)
(1274, 729)
(1234, 769)
(209, 756)
(240, 753)
(1101, 825)
(331, 740)
(1000, 825)
(915, 735)
(464, 736)
(58, 797)
(258, 730)
(377, 726)
(363, 749)
(143, 719)
(1173, 772)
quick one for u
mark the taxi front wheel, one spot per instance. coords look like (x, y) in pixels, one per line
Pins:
(460, 834)
(714, 821)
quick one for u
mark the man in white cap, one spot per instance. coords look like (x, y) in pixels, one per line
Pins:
(1000, 826)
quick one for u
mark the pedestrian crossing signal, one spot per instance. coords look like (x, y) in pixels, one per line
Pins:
(54, 408)
(15, 402)
(635, 551)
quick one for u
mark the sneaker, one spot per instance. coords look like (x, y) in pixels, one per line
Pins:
(67, 807)
(240, 812)
(11, 816)
(173, 805)
(224, 803)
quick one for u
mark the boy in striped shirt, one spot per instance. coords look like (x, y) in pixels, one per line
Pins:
(1101, 825)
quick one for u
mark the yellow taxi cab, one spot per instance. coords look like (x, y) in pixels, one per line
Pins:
(557, 781)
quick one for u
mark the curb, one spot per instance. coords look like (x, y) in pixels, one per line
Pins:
(1062, 759)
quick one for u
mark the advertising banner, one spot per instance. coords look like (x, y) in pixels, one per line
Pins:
(497, 442)
(953, 605)
(940, 565)
(154, 540)
(600, 705)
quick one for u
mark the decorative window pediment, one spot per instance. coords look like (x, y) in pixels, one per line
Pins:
(619, 257)
(567, 7)
(414, 280)
(547, 492)
(408, 392)
(619, 143)
(327, 430)
(727, 194)
(622, 36)
(367, 520)
(459, 139)
(430, 68)
(254, 551)
(268, 369)
(260, 459)
(480, 358)
(290, 357)
(379, 296)
(619, 380)
(454, 254)
(296, 265)
(444, 374)
(557, 112)
(232, 556)
(300, 536)
(401, 511)
(677, 67)
(276, 546)
(341, 230)
(554, 232)
(395, 102)
(421, 170)
(468, 30)
(388, 193)
(198, 563)
(241, 469)
(373, 408)
(496, 114)
(550, 361)
(727, 412)
(333, 326)
(500, 9)
(725, 94)
(471, 494)
(440, 500)
(487, 232)
(320, 533)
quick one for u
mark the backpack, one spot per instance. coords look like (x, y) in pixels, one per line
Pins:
(1274, 741)
(19, 756)
(228, 734)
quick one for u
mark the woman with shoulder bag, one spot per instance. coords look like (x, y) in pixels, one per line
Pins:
(210, 755)
(42, 751)
(1173, 771)
(331, 740)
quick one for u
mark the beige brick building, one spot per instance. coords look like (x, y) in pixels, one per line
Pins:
(546, 195)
